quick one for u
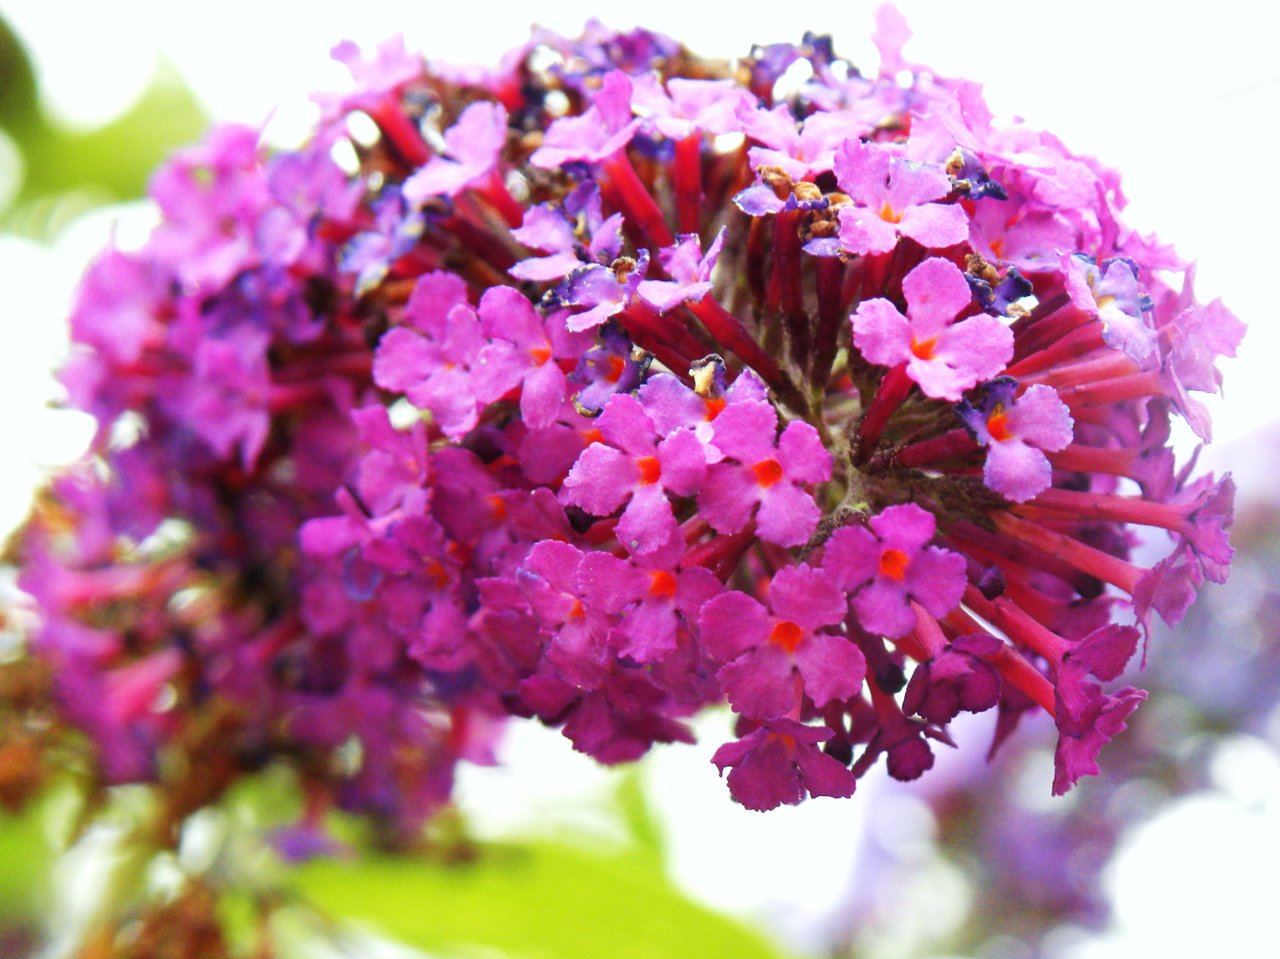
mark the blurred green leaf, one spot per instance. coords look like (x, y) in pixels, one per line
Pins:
(17, 81)
(26, 855)
(537, 899)
(64, 171)
(118, 158)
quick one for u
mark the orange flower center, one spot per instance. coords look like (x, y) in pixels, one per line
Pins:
(616, 367)
(650, 470)
(786, 635)
(890, 215)
(540, 354)
(998, 425)
(497, 507)
(893, 564)
(439, 576)
(715, 406)
(662, 585)
(767, 472)
(923, 349)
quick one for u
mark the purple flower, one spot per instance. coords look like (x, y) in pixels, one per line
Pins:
(635, 466)
(1015, 433)
(889, 565)
(780, 763)
(894, 197)
(599, 133)
(553, 229)
(377, 78)
(609, 368)
(688, 107)
(761, 471)
(472, 148)
(1111, 292)
(804, 149)
(605, 291)
(943, 357)
(689, 269)
(770, 655)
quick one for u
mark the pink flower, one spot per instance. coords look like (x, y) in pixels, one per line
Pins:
(890, 564)
(780, 763)
(1015, 433)
(894, 197)
(762, 650)
(472, 148)
(764, 476)
(943, 357)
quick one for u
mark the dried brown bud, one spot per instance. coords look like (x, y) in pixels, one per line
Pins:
(776, 179)
(806, 191)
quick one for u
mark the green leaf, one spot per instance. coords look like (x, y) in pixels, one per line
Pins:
(65, 172)
(27, 856)
(115, 160)
(17, 81)
(537, 899)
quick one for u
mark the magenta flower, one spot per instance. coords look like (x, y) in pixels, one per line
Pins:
(804, 149)
(472, 148)
(1087, 718)
(763, 650)
(633, 465)
(596, 135)
(957, 680)
(653, 599)
(552, 416)
(552, 230)
(944, 358)
(1016, 433)
(431, 357)
(889, 565)
(894, 197)
(781, 763)
(521, 353)
(764, 476)
(688, 107)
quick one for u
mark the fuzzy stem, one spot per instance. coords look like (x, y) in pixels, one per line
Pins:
(627, 192)
(953, 443)
(1077, 343)
(893, 389)
(1018, 625)
(727, 330)
(687, 177)
(1087, 559)
(1108, 392)
(1094, 459)
(785, 291)
(1110, 508)
(400, 132)
(830, 278)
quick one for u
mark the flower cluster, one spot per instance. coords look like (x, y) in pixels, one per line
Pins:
(606, 386)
